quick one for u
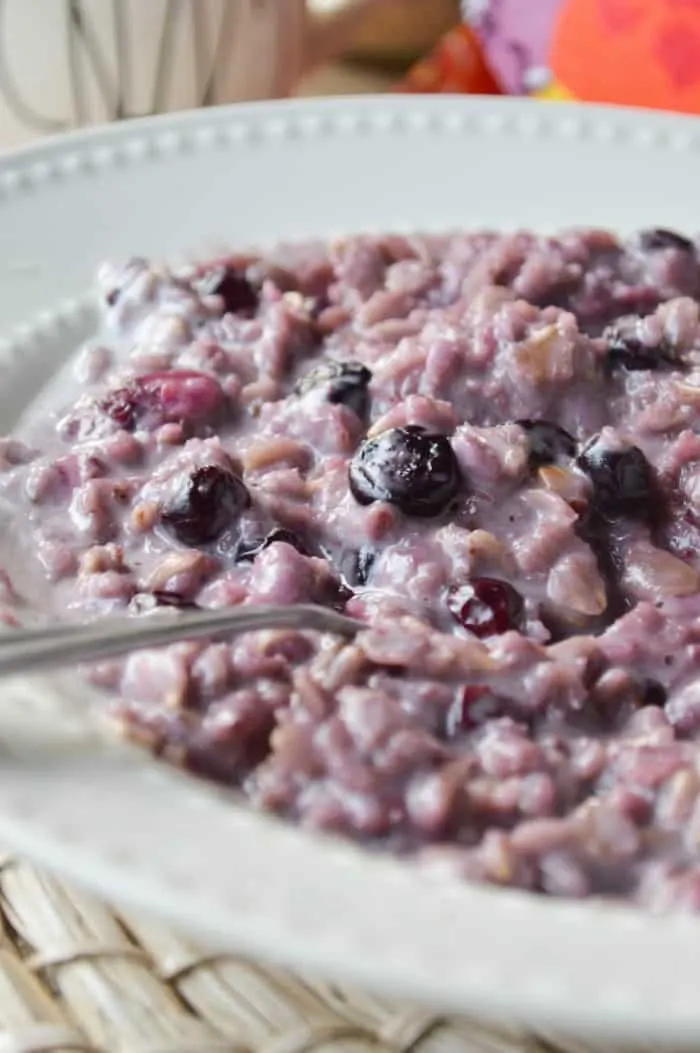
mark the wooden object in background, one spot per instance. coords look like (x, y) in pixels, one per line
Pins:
(396, 32)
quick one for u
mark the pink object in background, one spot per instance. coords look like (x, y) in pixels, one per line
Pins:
(515, 37)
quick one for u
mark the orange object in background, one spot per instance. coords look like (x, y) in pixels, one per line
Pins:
(456, 64)
(629, 52)
(635, 52)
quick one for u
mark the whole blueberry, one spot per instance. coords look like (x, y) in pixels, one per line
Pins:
(408, 467)
(211, 501)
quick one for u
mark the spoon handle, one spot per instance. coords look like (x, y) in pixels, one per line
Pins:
(32, 650)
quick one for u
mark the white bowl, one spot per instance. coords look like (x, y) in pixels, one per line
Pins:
(168, 844)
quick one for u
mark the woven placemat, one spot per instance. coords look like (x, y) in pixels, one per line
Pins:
(77, 976)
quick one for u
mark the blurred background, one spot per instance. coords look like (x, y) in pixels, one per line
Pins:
(72, 63)
(388, 40)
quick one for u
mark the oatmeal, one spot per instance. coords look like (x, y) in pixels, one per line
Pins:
(485, 447)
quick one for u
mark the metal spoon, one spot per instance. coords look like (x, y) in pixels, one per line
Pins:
(32, 650)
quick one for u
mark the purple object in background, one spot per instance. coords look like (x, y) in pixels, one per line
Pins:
(515, 35)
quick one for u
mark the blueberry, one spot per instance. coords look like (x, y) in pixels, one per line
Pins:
(547, 442)
(633, 355)
(338, 596)
(247, 551)
(409, 467)
(652, 693)
(623, 481)
(346, 383)
(660, 238)
(486, 606)
(169, 598)
(238, 293)
(627, 352)
(212, 500)
(354, 565)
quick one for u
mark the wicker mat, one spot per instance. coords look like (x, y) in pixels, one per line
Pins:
(75, 976)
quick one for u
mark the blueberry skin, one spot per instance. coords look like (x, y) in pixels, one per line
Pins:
(629, 353)
(486, 606)
(239, 294)
(547, 442)
(248, 551)
(212, 500)
(659, 239)
(408, 467)
(624, 484)
(345, 383)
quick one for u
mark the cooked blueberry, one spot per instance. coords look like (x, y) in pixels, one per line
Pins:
(168, 598)
(623, 481)
(486, 606)
(238, 293)
(547, 442)
(408, 467)
(652, 693)
(339, 594)
(660, 238)
(354, 565)
(344, 382)
(627, 352)
(247, 551)
(212, 500)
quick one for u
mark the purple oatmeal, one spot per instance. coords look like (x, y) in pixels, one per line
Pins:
(487, 448)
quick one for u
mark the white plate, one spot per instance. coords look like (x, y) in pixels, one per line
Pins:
(166, 844)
